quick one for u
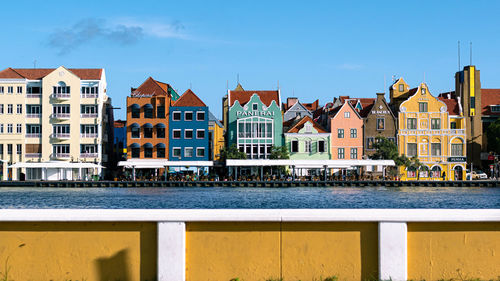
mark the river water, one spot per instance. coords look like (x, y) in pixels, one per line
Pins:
(252, 198)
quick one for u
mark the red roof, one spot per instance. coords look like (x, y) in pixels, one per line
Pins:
(189, 99)
(489, 97)
(150, 87)
(39, 73)
(244, 96)
(309, 106)
(300, 124)
(451, 104)
(119, 124)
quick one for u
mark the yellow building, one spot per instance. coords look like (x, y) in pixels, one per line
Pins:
(216, 136)
(434, 131)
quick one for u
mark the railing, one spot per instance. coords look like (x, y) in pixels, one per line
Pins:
(60, 115)
(60, 155)
(33, 115)
(89, 155)
(33, 155)
(88, 115)
(88, 135)
(60, 96)
(60, 136)
(33, 135)
(432, 132)
(89, 96)
(31, 95)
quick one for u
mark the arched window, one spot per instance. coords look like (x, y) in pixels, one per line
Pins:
(136, 131)
(160, 130)
(424, 172)
(160, 111)
(411, 172)
(148, 150)
(160, 150)
(136, 150)
(148, 111)
(436, 172)
(148, 130)
(136, 110)
(61, 89)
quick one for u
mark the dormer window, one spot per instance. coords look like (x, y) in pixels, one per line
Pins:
(308, 127)
(401, 87)
(255, 106)
(347, 114)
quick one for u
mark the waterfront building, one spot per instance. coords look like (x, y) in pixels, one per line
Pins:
(215, 136)
(378, 122)
(399, 92)
(148, 109)
(294, 108)
(189, 129)
(346, 128)
(54, 123)
(434, 132)
(254, 121)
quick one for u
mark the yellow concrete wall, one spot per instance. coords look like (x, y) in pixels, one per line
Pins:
(218, 140)
(78, 251)
(460, 251)
(302, 251)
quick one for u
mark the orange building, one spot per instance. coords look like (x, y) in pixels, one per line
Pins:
(147, 120)
(346, 127)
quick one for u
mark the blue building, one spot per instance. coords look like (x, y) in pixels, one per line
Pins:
(188, 129)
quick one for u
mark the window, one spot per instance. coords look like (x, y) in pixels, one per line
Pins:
(1, 108)
(188, 134)
(34, 90)
(33, 131)
(200, 152)
(9, 128)
(369, 143)
(188, 116)
(88, 131)
(148, 150)
(307, 145)
(354, 153)
(160, 131)
(62, 111)
(255, 106)
(200, 116)
(411, 149)
(160, 151)
(9, 109)
(422, 106)
(380, 123)
(411, 172)
(453, 125)
(200, 134)
(135, 130)
(88, 111)
(9, 149)
(10, 90)
(19, 129)
(321, 146)
(148, 111)
(411, 123)
(61, 131)
(19, 149)
(423, 91)
(176, 152)
(160, 111)
(148, 131)
(340, 133)
(354, 133)
(90, 92)
(60, 150)
(347, 114)
(401, 87)
(19, 109)
(1, 128)
(19, 89)
(176, 134)
(61, 88)
(136, 150)
(495, 108)
(295, 146)
(188, 152)
(341, 153)
(1, 149)
(435, 149)
(435, 124)
(457, 149)
(136, 111)
(1, 89)
(88, 150)
(255, 128)
(176, 116)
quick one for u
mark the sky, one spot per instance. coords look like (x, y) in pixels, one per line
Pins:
(311, 49)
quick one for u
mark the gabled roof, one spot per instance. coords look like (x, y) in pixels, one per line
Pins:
(309, 106)
(189, 99)
(39, 73)
(150, 87)
(244, 96)
(489, 97)
(299, 124)
(333, 113)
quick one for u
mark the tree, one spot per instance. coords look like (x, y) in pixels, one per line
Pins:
(232, 152)
(415, 163)
(493, 137)
(279, 152)
(387, 150)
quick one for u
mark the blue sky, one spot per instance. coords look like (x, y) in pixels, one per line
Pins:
(316, 49)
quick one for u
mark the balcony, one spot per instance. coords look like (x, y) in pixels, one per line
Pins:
(89, 155)
(60, 96)
(88, 135)
(33, 135)
(59, 155)
(33, 95)
(88, 115)
(33, 115)
(32, 155)
(60, 136)
(60, 115)
(89, 96)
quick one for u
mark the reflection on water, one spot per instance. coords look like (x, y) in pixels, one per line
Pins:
(252, 198)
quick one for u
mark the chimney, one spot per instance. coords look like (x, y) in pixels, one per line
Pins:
(291, 101)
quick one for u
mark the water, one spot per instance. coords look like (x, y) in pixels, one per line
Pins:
(252, 198)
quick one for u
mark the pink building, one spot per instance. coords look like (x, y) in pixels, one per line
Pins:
(346, 132)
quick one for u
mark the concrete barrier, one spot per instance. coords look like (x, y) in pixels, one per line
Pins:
(257, 244)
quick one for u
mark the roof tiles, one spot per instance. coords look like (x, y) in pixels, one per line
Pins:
(189, 99)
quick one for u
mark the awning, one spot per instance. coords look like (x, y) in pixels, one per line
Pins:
(159, 163)
(56, 165)
(311, 164)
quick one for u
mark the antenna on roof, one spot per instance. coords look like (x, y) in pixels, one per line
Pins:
(458, 55)
(34, 63)
(470, 53)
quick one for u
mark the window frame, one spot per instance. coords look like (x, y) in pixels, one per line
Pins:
(353, 133)
(185, 152)
(340, 133)
(200, 130)
(202, 112)
(340, 152)
(185, 115)
(173, 134)
(174, 114)
(188, 130)
(200, 149)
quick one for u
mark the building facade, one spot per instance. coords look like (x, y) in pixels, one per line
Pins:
(379, 122)
(428, 131)
(346, 128)
(307, 140)
(254, 122)
(293, 108)
(148, 109)
(52, 121)
(188, 129)
(216, 137)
